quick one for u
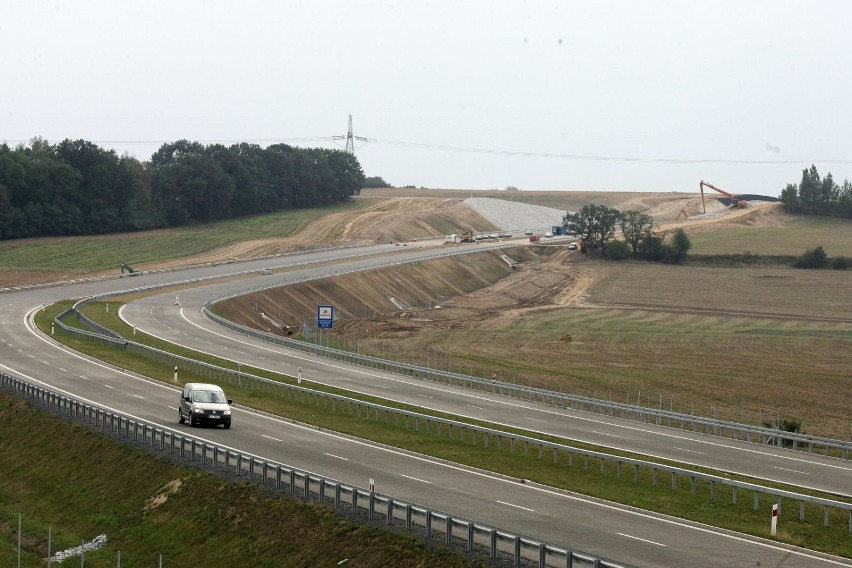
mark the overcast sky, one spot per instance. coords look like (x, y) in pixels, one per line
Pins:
(452, 94)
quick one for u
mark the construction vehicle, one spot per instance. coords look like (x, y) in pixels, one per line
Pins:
(735, 201)
(129, 269)
(467, 237)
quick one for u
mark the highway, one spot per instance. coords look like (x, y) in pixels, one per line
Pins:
(602, 528)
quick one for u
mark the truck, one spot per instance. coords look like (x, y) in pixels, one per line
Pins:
(557, 230)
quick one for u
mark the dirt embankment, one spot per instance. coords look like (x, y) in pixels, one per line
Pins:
(442, 294)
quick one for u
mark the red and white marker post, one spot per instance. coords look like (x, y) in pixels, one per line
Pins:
(774, 519)
(372, 486)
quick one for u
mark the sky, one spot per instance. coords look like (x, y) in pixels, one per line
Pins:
(464, 94)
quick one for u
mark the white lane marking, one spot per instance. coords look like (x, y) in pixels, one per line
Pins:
(516, 506)
(688, 450)
(605, 434)
(271, 438)
(416, 479)
(792, 470)
(425, 396)
(554, 493)
(334, 456)
(560, 413)
(476, 407)
(381, 387)
(84, 378)
(63, 370)
(642, 539)
(534, 419)
(109, 387)
(137, 396)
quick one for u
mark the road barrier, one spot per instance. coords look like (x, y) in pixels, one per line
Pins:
(463, 430)
(361, 504)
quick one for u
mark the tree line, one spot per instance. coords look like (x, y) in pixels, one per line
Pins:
(596, 225)
(77, 188)
(818, 196)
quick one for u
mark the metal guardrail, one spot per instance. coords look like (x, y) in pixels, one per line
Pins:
(347, 499)
(712, 426)
(464, 430)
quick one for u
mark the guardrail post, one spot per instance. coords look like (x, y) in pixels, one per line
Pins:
(372, 504)
(471, 533)
(516, 552)
(390, 512)
(408, 517)
(542, 555)
(492, 544)
(449, 530)
(428, 527)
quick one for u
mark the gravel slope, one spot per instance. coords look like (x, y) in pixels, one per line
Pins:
(515, 216)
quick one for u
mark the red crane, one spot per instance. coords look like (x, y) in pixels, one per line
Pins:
(735, 201)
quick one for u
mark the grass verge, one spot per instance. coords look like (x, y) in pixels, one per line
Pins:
(79, 483)
(590, 478)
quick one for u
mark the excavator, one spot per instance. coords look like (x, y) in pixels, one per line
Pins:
(129, 269)
(735, 202)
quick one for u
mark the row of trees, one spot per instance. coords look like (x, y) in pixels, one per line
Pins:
(596, 225)
(818, 196)
(78, 188)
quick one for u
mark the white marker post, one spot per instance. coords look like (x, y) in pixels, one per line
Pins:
(774, 519)
(372, 486)
(175, 374)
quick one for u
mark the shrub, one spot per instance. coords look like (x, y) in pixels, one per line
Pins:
(617, 250)
(841, 262)
(813, 258)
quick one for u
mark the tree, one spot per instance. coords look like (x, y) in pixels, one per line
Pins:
(636, 227)
(375, 181)
(617, 250)
(680, 245)
(813, 258)
(595, 224)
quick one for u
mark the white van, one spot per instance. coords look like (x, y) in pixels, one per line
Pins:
(203, 403)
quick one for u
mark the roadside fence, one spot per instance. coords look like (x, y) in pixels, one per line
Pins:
(465, 431)
(363, 505)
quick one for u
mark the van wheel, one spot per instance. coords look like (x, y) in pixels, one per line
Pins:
(180, 417)
(191, 420)
(227, 425)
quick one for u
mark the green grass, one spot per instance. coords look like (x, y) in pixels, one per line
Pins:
(78, 484)
(793, 238)
(514, 462)
(98, 253)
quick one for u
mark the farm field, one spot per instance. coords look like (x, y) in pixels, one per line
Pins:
(613, 330)
(751, 345)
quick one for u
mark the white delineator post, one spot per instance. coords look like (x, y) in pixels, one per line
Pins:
(774, 519)
(372, 486)
(176, 374)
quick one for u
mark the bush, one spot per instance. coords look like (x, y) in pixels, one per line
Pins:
(841, 263)
(617, 250)
(813, 258)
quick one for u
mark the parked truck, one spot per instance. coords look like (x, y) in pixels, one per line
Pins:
(557, 230)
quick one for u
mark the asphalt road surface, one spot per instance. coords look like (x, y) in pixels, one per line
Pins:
(631, 536)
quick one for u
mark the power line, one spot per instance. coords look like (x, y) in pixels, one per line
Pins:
(496, 152)
(601, 158)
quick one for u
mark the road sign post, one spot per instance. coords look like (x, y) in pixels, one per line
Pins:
(325, 317)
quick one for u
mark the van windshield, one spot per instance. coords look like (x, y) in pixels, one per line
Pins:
(209, 396)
